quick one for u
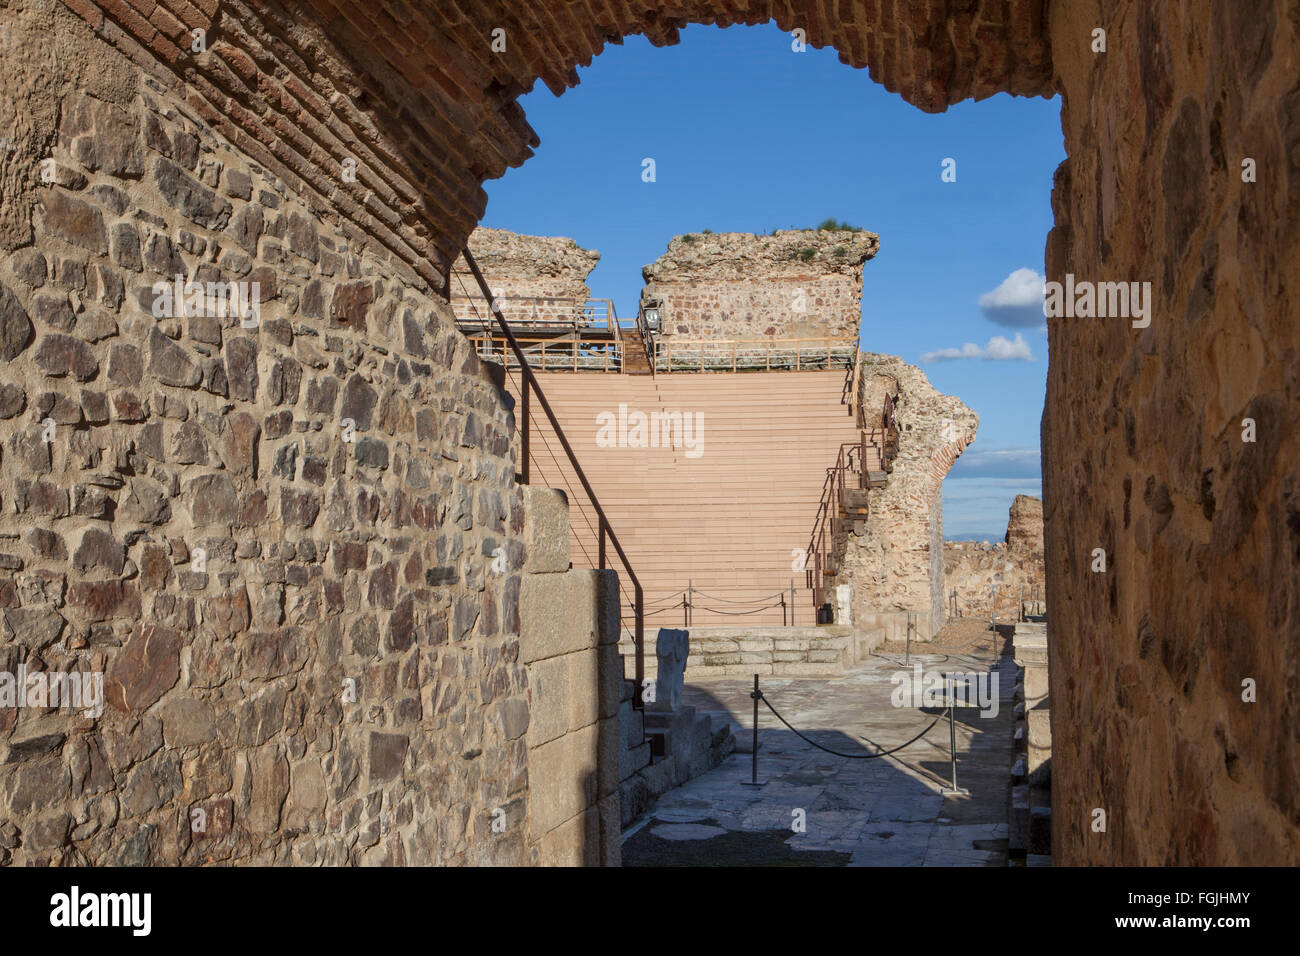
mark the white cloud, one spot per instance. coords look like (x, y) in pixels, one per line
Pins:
(1014, 464)
(1018, 301)
(998, 349)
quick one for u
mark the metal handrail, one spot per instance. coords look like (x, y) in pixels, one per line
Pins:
(530, 382)
(821, 352)
(647, 340)
(578, 355)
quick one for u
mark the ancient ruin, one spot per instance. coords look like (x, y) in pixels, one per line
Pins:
(291, 537)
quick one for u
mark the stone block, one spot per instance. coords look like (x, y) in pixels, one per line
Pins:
(556, 614)
(549, 692)
(584, 688)
(611, 830)
(609, 772)
(546, 530)
(562, 779)
(574, 843)
(609, 679)
(1035, 683)
(1040, 728)
(608, 608)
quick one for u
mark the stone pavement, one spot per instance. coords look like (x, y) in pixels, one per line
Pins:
(888, 811)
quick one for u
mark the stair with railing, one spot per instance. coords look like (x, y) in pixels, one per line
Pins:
(859, 467)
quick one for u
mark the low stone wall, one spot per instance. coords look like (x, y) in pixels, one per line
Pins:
(772, 651)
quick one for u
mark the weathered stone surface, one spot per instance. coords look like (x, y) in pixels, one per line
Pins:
(125, 365)
(102, 137)
(358, 402)
(349, 305)
(146, 667)
(189, 197)
(74, 221)
(187, 722)
(60, 355)
(212, 499)
(33, 627)
(170, 363)
(672, 647)
(16, 331)
(99, 549)
(12, 401)
(29, 266)
(1025, 524)
(387, 755)
(241, 367)
(546, 528)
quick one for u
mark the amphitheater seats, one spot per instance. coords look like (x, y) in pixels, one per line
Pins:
(728, 517)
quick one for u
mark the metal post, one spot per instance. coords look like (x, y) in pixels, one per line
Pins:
(524, 432)
(791, 602)
(908, 659)
(753, 781)
(952, 736)
(690, 599)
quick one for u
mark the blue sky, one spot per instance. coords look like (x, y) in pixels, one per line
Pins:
(748, 135)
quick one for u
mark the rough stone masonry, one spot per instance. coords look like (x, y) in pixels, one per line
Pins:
(361, 133)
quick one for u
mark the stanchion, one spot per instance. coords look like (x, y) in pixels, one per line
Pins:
(952, 737)
(756, 696)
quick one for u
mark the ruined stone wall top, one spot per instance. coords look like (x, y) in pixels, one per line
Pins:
(741, 256)
(1025, 524)
(535, 265)
(798, 283)
(533, 278)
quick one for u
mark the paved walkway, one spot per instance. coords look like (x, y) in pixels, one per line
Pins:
(888, 811)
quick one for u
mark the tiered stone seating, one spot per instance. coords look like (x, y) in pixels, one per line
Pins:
(730, 519)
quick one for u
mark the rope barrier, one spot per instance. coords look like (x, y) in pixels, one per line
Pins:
(884, 753)
(757, 694)
(714, 610)
(764, 597)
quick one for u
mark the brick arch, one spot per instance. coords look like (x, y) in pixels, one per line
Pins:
(416, 95)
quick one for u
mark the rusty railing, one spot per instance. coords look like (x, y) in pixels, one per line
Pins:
(820, 554)
(529, 384)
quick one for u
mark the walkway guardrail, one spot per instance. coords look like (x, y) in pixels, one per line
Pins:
(754, 355)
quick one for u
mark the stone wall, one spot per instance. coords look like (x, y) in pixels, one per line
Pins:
(794, 284)
(548, 272)
(1143, 451)
(288, 541)
(1142, 430)
(569, 644)
(1016, 566)
(896, 566)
